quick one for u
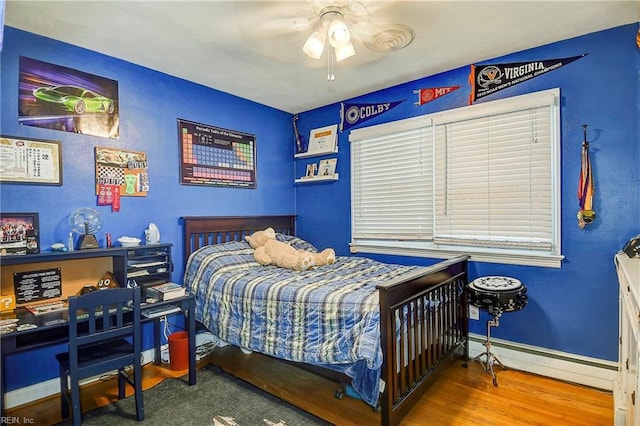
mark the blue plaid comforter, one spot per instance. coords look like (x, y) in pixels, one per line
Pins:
(328, 316)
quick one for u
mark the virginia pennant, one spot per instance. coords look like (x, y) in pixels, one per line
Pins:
(488, 79)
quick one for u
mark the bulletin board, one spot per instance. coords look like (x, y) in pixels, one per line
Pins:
(124, 169)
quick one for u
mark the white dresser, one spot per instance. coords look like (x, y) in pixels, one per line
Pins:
(626, 390)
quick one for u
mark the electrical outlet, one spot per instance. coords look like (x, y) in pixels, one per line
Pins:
(474, 312)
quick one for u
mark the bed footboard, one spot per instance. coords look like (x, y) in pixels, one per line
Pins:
(423, 321)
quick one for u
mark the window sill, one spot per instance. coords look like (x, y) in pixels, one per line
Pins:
(509, 258)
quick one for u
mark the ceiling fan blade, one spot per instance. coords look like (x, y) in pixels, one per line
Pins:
(272, 19)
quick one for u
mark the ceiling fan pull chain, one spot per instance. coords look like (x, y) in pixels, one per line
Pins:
(330, 75)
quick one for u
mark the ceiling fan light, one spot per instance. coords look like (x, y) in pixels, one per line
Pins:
(338, 33)
(344, 52)
(314, 46)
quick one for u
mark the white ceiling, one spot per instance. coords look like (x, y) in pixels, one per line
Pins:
(252, 49)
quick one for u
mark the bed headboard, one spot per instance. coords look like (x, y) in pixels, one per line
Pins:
(200, 231)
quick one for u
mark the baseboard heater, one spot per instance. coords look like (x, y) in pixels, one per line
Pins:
(593, 372)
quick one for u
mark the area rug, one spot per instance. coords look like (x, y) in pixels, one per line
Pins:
(218, 399)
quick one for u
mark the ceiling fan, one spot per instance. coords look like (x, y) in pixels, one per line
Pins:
(335, 27)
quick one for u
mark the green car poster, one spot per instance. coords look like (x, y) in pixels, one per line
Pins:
(61, 98)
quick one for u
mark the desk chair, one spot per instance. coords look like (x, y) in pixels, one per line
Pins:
(97, 331)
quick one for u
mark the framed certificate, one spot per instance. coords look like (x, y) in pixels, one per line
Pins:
(323, 140)
(31, 161)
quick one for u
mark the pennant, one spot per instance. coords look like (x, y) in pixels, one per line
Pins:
(428, 95)
(488, 79)
(353, 114)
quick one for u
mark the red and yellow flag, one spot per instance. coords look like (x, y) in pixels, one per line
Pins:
(586, 189)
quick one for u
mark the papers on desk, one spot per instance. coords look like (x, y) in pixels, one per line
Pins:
(47, 307)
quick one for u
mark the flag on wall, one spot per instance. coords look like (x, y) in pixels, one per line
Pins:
(429, 94)
(354, 114)
(488, 79)
(586, 188)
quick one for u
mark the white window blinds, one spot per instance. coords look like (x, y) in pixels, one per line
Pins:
(493, 181)
(391, 186)
(481, 179)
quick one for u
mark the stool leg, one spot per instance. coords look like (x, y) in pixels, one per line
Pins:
(487, 365)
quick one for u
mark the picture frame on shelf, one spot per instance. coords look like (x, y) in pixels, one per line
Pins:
(323, 140)
(327, 167)
(19, 233)
(311, 170)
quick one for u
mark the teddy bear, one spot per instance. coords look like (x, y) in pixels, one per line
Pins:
(325, 257)
(269, 251)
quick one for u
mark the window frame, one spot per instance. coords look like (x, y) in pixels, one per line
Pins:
(553, 258)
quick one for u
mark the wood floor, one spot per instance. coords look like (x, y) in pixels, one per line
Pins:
(459, 396)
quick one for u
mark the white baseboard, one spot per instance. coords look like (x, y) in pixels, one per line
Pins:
(565, 366)
(587, 371)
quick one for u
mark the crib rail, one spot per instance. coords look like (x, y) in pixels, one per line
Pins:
(423, 321)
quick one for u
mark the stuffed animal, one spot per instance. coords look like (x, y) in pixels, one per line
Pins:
(269, 251)
(258, 238)
(325, 257)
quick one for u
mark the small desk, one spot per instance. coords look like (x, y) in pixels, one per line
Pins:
(52, 329)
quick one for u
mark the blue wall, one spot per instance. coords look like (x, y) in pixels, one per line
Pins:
(150, 104)
(574, 308)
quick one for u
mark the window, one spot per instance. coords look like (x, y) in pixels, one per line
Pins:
(481, 180)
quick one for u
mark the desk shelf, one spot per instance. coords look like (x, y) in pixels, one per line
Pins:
(149, 264)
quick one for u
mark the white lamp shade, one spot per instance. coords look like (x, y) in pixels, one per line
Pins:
(344, 52)
(314, 46)
(338, 33)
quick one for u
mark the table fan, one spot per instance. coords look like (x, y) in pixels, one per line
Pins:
(86, 221)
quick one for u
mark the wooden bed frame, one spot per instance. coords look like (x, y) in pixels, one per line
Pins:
(426, 339)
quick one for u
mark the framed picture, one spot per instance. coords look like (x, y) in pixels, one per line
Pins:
(327, 167)
(31, 161)
(61, 98)
(214, 156)
(323, 140)
(311, 170)
(19, 233)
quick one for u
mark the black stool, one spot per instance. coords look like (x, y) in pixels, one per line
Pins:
(495, 295)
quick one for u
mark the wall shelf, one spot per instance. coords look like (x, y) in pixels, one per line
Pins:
(317, 179)
(315, 154)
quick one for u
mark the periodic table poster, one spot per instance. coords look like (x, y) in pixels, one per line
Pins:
(216, 157)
